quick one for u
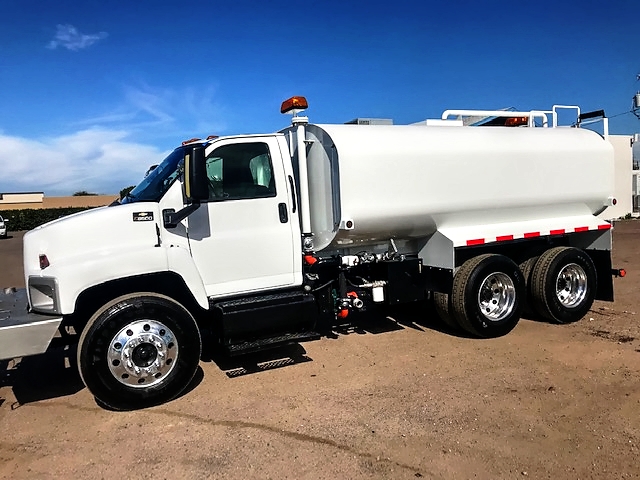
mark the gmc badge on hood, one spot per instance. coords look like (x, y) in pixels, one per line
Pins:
(142, 216)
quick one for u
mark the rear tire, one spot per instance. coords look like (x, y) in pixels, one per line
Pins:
(487, 294)
(139, 350)
(526, 268)
(441, 303)
(563, 284)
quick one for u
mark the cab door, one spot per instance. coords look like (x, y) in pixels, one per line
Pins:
(242, 239)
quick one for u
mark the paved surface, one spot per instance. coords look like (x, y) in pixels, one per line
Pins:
(395, 398)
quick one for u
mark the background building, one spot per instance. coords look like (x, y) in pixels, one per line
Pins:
(17, 201)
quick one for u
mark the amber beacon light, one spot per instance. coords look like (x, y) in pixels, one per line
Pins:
(294, 105)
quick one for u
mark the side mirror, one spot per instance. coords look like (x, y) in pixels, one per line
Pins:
(196, 188)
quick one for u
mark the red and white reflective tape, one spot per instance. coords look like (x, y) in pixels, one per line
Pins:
(561, 231)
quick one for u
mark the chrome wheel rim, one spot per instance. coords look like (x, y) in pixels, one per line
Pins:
(571, 285)
(497, 296)
(142, 354)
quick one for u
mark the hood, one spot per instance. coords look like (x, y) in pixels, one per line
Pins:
(98, 232)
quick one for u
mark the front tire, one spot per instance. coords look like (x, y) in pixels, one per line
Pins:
(563, 284)
(139, 350)
(487, 295)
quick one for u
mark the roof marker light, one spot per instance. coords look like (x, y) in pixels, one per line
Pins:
(516, 121)
(294, 105)
(190, 141)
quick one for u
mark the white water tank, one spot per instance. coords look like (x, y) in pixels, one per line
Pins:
(368, 184)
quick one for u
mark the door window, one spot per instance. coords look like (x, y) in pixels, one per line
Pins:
(240, 171)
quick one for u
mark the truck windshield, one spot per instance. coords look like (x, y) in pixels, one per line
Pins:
(158, 180)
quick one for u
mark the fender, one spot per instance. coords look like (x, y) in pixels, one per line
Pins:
(180, 261)
(71, 278)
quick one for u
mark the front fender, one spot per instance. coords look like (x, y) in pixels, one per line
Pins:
(78, 274)
(180, 261)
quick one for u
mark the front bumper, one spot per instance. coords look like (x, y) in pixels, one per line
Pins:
(23, 333)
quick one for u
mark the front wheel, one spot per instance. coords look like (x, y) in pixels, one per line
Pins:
(487, 295)
(139, 350)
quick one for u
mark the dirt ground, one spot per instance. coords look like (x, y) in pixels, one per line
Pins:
(394, 398)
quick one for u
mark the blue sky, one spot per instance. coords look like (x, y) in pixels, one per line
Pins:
(93, 92)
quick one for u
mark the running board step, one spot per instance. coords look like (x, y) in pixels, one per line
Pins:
(265, 316)
(271, 342)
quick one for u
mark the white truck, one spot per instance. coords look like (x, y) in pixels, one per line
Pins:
(267, 239)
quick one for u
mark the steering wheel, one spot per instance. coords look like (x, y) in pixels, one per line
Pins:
(215, 187)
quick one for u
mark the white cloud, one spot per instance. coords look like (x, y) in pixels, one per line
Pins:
(113, 150)
(69, 37)
(96, 160)
(165, 112)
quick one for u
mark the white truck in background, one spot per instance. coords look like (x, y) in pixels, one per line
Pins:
(267, 239)
(3, 227)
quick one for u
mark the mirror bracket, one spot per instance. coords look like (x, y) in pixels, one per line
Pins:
(171, 218)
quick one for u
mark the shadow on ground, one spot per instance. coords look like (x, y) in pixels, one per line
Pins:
(419, 316)
(55, 374)
(50, 375)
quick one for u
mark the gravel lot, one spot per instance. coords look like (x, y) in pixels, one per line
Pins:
(394, 398)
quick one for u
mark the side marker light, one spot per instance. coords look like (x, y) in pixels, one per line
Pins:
(44, 261)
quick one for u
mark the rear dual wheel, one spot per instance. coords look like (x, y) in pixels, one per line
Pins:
(487, 293)
(563, 284)
(486, 297)
(441, 303)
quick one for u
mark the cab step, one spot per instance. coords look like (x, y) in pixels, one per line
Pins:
(271, 342)
(264, 316)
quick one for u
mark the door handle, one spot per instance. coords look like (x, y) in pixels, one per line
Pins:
(293, 194)
(282, 210)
